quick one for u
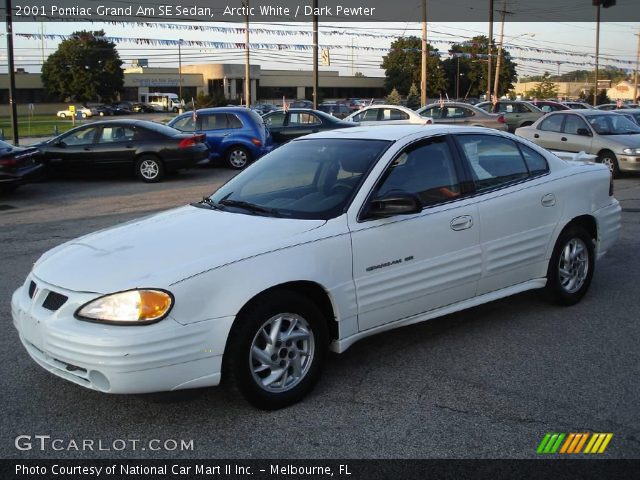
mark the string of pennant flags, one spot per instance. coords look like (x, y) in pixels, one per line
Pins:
(240, 30)
(306, 47)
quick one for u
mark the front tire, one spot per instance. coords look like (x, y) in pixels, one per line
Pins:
(276, 349)
(149, 169)
(571, 266)
(610, 160)
(237, 157)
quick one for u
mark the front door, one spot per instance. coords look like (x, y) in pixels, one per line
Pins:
(408, 264)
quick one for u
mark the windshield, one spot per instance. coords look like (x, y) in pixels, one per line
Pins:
(307, 179)
(612, 125)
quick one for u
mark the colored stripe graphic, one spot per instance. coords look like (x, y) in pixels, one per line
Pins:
(595, 443)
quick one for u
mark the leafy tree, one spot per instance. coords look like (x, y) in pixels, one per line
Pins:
(83, 68)
(473, 69)
(359, 74)
(402, 67)
(413, 99)
(600, 99)
(545, 89)
(393, 98)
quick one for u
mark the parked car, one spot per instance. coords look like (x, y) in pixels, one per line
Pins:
(458, 113)
(327, 240)
(236, 135)
(338, 110)
(296, 122)
(18, 165)
(611, 106)
(577, 105)
(102, 111)
(517, 113)
(632, 114)
(387, 115)
(549, 105)
(82, 111)
(147, 149)
(262, 108)
(300, 104)
(612, 137)
(355, 103)
(139, 107)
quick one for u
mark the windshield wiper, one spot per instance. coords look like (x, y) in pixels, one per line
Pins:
(252, 207)
(206, 201)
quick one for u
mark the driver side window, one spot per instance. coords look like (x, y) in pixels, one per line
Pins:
(426, 170)
(81, 137)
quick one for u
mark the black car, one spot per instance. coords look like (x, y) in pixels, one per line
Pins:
(145, 148)
(18, 165)
(140, 107)
(102, 111)
(296, 122)
(338, 110)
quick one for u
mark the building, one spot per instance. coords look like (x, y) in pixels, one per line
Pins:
(266, 85)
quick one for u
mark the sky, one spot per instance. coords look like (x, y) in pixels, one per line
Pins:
(530, 43)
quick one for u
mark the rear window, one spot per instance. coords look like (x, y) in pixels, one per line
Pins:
(159, 128)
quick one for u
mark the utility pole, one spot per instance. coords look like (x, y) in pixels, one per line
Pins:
(595, 89)
(423, 64)
(315, 54)
(247, 59)
(489, 49)
(497, 77)
(458, 80)
(635, 87)
(12, 73)
(180, 71)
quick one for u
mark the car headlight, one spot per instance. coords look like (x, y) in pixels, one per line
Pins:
(132, 307)
(631, 151)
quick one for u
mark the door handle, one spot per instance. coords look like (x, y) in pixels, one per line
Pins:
(564, 139)
(130, 146)
(87, 149)
(226, 134)
(462, 223)
(535, 135)
(548, 200)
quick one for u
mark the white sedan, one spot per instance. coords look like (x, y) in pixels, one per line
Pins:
(84, 113)
(328, 239)
(387, 115)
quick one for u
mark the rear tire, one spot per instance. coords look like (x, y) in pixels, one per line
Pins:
(571, 266)
(149, 169)
(611, 161)
(237, 157)
(276, 349)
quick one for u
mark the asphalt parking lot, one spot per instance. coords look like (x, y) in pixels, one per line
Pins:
(488, 382)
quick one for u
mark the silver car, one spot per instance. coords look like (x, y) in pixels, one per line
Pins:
(517, 113)
(458, 113)
(612, 137)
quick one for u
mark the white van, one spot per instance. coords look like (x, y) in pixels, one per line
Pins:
(161, 102)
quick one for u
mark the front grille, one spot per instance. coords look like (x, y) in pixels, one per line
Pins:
(54, 301)
(32, 288)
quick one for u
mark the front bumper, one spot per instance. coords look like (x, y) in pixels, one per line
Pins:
(163, 356)
(629, 163)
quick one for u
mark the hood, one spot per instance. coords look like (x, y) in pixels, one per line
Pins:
(625, 141)
(159, 250)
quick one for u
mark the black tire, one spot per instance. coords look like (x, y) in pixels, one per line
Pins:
(559, 286)
(149, 169)
(237, 157)
(610, 160)
(244, 370)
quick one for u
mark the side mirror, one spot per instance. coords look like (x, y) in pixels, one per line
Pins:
(584, 132)
(395, 202)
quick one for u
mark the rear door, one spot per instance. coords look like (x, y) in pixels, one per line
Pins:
(215, 126)
(518, 209)
(115, 146)
(549, 132)
(299, 124)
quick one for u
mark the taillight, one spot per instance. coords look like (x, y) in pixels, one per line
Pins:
(8, 162)
(191, 141)
(501, 119)
(256, 142)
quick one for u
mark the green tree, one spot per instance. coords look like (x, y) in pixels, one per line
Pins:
(84, 68)
(545, 89)
(470, 61)
(402, 67)
(413, 99)
(393, 98)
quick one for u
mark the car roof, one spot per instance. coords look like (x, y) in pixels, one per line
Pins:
(222, 110)
(397, 132)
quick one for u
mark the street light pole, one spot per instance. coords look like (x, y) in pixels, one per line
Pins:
(424, 57)
(489, 50)
(499, 57)
(458, 80)
(180, 70)
(12, 73)
(247, 60)
(635, 87)
(315, 54)
(595, 89)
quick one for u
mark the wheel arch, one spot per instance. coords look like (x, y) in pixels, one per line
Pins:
(312, 290)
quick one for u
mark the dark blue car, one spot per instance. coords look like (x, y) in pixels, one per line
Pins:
(236, 135)
(18, 165)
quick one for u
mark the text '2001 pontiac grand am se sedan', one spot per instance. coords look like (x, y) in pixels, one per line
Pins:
(324, 241)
